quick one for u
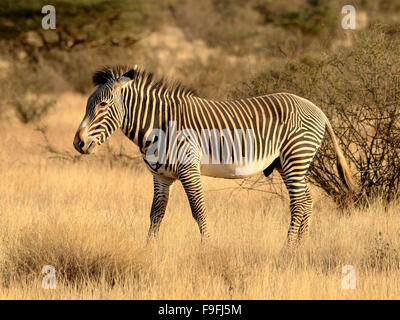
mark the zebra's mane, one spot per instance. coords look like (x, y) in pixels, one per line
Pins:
(113, 73)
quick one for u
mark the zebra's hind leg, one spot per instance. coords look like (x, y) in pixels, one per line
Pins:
(304, 228)
(159, 205)
(190, 178)
(300, 207)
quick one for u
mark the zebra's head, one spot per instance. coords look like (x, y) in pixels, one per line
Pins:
(104, 109)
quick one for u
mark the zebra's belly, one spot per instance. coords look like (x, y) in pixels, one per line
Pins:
(236, 171)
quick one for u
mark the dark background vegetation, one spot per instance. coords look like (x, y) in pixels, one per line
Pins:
(226, 49)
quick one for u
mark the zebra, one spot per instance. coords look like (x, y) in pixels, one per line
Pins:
(286, 131)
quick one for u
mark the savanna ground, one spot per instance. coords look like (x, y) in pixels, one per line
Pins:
(88, 216)
(89, 219)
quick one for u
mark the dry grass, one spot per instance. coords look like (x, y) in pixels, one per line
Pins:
(89, 219)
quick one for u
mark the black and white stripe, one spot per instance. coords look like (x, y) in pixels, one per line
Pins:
(286, 133)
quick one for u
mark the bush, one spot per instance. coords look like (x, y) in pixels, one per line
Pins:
(29, 91)
(358, 89)
(310, 17)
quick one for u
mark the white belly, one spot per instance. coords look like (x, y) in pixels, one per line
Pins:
(236, 171)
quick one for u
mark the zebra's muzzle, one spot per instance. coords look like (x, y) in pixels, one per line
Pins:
(79, 144)
(84, 144)
(84, 148)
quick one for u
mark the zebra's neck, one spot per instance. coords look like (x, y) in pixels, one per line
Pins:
(148, 107)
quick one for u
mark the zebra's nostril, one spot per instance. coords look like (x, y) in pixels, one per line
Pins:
(81, 144)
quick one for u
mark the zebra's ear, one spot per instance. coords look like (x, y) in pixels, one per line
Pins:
(129, 74)
(122, 80)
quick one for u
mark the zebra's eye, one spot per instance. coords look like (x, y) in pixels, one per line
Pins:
(103, 104)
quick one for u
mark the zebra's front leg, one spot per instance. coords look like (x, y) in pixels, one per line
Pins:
(191, 182)
(159, 205)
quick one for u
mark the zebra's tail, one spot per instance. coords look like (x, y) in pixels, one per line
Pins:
(342, 167)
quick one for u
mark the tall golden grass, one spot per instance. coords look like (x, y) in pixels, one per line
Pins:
(89, 219)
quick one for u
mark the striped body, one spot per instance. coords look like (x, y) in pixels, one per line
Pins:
(277, 121)
(182, 137)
